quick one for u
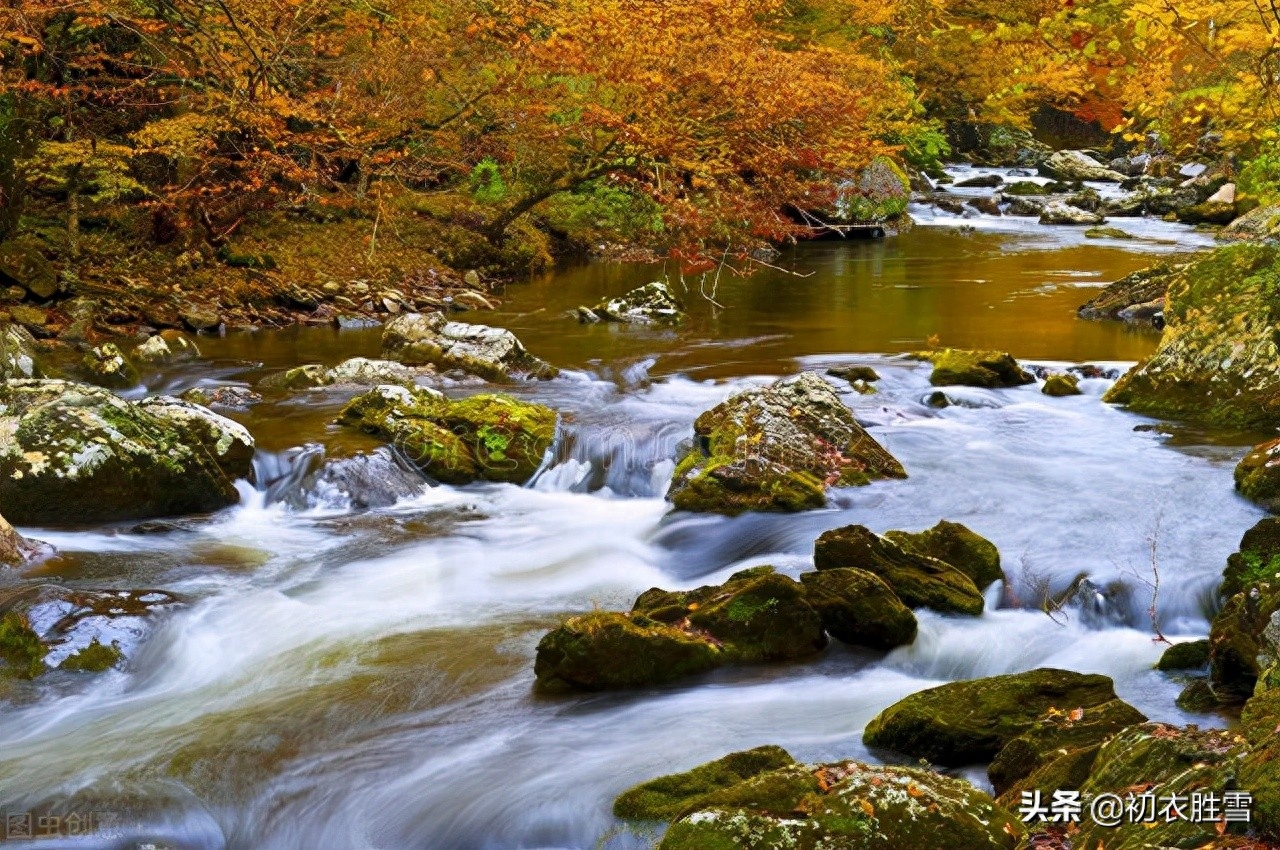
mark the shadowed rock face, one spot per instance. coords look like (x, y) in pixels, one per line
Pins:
(495, 354)
(70, 453)
(777, 448)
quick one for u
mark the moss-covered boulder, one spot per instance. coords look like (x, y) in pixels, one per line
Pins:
(1260, 768)
(489, 437)
(777, 448)
(858, 608)
(602, 651)
(21, 651)
(1057, 733)
(494, 354)
(1061, 385)
(228, 442)
(651, 304)
(757, 615)
(1257, 475)
(1133, 298)
(1189, 655)
(1210, 212)
(919, 580)
(957, 545)
(962, 367)
(1254, 226)
(846, 805)
(71, 453)
(1218, 360)
(966, 722)
(1257, 559)
(1238, 648)
(19, 355)
(305, 377)
(666, 797)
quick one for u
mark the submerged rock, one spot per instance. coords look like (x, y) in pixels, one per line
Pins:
(957, 545)
(1078, 165)
(651, 304)
(858, 608)
(490, 437)
(918, 580)
(1061, 385)
(962, 367)
(777, 448)
(71, 453)
(847, 805)
(1257, 475)
(1218, 360)
(495, 354)
(971, 721)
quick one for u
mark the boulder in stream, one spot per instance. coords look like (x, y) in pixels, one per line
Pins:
(1254, 226)
(1060, 386)
(489, 437)
(19, 355)
(971, 721)
(667, 797)
(920, 581)
(651, 304)
(166, 347)
(969, 368)
(71, 453)
(777, 448)
(495, 354)
(1078, 165)
(107, 366)
(1136, 297)
(957, 545)
(858, 608)
(1059, 212)
(1257, 475)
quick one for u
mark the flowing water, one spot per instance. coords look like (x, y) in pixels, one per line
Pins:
(362, 678)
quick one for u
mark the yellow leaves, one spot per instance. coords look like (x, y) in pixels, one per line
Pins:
(868, 809)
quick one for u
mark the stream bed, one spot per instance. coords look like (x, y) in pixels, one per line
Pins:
(343, 677)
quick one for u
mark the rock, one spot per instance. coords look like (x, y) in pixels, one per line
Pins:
(376, 479)
(1254, 226)
(777, 448)
(918, 580)
(495, 354)
(1260, 769)
(1077, 165)
(854, 373)
(360, 371)
(667, 797)
(954, 544)
(472, 278)
(71, 453)
(1218, 361)
(962, 367)
(200, 317)
(1226, 194)
(306, 377)
(846, 805)
(651, 304)
(966, 722)
(490, 437)
(228, 442)
(1134, 297)
(165, 348)
(1238, 648)
(1190, 655)
(987, 206)
(234, 398)
(1209, 212)
(16, 550)
(82, 313)
(858, 608)
(19, 356)
(879, 194)
(1107, 233)
(1061, 385)
(1164, 201)
(601, 651)
(951, 205)
(757, 615)
(1027, 207)
(22, 263)
(1057, 212)
(982, 181)
(1058, 732)
(1257, 475)
(1086, 199)
(1025, 187)
(32, 318)
(21, 652)
(109, 367)
(1198, 697)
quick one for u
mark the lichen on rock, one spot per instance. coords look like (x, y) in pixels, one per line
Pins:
(651, 304)
(494, 354)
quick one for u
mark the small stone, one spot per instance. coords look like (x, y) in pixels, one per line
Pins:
(200, 317)
(1061, 385)
(471, 278)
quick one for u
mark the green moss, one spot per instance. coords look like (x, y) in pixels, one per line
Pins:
(1236, 641)
(965, 722)
(1061, 385)
(1191, 655)
(954, 366)
(94, 658)
(20, 647)
(1065, 770)
(957, 545)
(858, 608)
(1257, 475)
(1198, 697)
(721, 484)
(1107, 233)
(666, 797)
(1257, 559)
(1025, 187)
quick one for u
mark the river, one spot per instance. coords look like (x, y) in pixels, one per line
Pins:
(346, 678)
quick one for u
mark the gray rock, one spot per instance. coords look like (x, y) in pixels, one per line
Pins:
(651, 304)
(363, 372)
(1057, 212)
(495, 354)
(1077, 165)
(228, 442)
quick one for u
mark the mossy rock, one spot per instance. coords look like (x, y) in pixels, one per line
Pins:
(1260, 770)
(1065, 770)
(957, 545)
(1210, 212)
(70, 453)
(777, 448)
(21, 652)
(918, 580)
(228, 442)
(1190, 655)
(962, 367)
(846, 805)
(1117, 300)
(666, 797)
(1107, 233)
(305, 377)
(94, 658)
(603, 650)
(494, 354)
(108, 367)
(1257, 475)
(853, 374)
(1056, 733)
(1061, 385)
(966, 722)
(1218, 361)
(858, 608)
(1237, 640)
(1024, 188)
(1197, 697)
(1257, 558)
(757, 615)
(489, 437)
